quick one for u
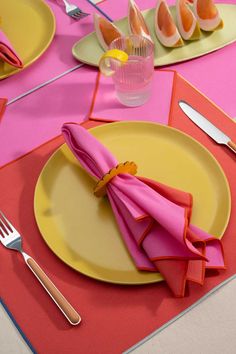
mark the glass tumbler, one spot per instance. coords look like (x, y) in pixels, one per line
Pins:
(133, 79)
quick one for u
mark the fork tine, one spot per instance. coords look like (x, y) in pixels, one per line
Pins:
(80, 14)
(74, 17)
(77, 17)
(3, 232)
(7, 225)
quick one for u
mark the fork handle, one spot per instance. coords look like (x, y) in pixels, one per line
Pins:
(69, 312)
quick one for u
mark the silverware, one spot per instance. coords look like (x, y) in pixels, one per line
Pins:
(74, 11)
(10, 238)
(203, 123)
(99, 10)
(45, 83)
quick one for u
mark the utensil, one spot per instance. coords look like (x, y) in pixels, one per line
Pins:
(73, 11)
(45, 83)
(88, 50)
(203, 123)
(10, 238)
(99, 10)
(83, 232)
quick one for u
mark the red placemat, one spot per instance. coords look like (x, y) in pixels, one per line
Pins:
(114, 317)
(3, 102)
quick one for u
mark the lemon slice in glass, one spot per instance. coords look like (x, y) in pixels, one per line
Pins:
(111, 59)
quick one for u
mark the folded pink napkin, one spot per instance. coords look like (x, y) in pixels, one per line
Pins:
(154, 219)
(7, 53)
(106, 107)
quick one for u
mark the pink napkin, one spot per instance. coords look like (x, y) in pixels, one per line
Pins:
(106, 107)
(154, 219)
(7, 53)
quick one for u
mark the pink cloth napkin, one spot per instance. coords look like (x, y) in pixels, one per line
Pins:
(7, 53)
(154, 219)
(106, 107)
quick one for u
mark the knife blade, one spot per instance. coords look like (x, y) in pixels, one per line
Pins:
(204, 124)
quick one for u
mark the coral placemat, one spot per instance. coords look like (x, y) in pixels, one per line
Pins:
(3, 102)
(114, 317)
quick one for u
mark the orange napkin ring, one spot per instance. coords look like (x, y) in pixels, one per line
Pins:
(125, 167)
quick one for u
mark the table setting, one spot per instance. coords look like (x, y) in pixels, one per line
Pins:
(117, 176)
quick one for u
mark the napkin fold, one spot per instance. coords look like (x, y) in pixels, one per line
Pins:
(7, 53)
(3, 102)
(154, 219)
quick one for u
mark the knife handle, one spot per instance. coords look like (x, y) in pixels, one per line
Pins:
(232, 145)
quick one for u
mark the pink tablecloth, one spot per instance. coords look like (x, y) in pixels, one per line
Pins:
(58, 58)
(38, 117)
(43, 111)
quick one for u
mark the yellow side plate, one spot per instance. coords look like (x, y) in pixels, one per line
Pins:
(29, 26)
(80, 228)
(88, 50)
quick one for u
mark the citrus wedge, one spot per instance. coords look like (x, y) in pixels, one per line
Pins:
(207, 15)
(112, 59)
(106, 31)
(136, 21)
(165, 28)
(186, 21)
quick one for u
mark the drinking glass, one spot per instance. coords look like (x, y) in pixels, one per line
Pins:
(133, 79)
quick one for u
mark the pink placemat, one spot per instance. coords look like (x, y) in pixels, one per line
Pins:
(106, 107)
(38, 117)
(58, 57)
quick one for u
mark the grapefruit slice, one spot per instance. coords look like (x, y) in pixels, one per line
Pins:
(186, 20)
(136, 21)
(207, 15)
(106, 31)
(165, 28)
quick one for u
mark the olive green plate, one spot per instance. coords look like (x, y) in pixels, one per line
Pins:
(88, 50)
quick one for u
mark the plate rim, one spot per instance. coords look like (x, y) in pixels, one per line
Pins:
(63, 145)
(16, 71)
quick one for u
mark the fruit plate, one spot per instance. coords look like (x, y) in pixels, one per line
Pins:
(89, 51)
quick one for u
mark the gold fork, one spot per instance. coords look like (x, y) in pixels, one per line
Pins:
(10, 238)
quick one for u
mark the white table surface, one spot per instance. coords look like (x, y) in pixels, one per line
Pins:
(208, 327)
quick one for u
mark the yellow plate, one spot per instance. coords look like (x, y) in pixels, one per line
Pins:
(88, 50)
(80, 228)
(29, 26)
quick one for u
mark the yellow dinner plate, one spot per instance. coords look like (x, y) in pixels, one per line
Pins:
(29, 26)
(88, 50)
(80, 228)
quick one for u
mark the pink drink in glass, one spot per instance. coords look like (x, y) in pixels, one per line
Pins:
(134, 78)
